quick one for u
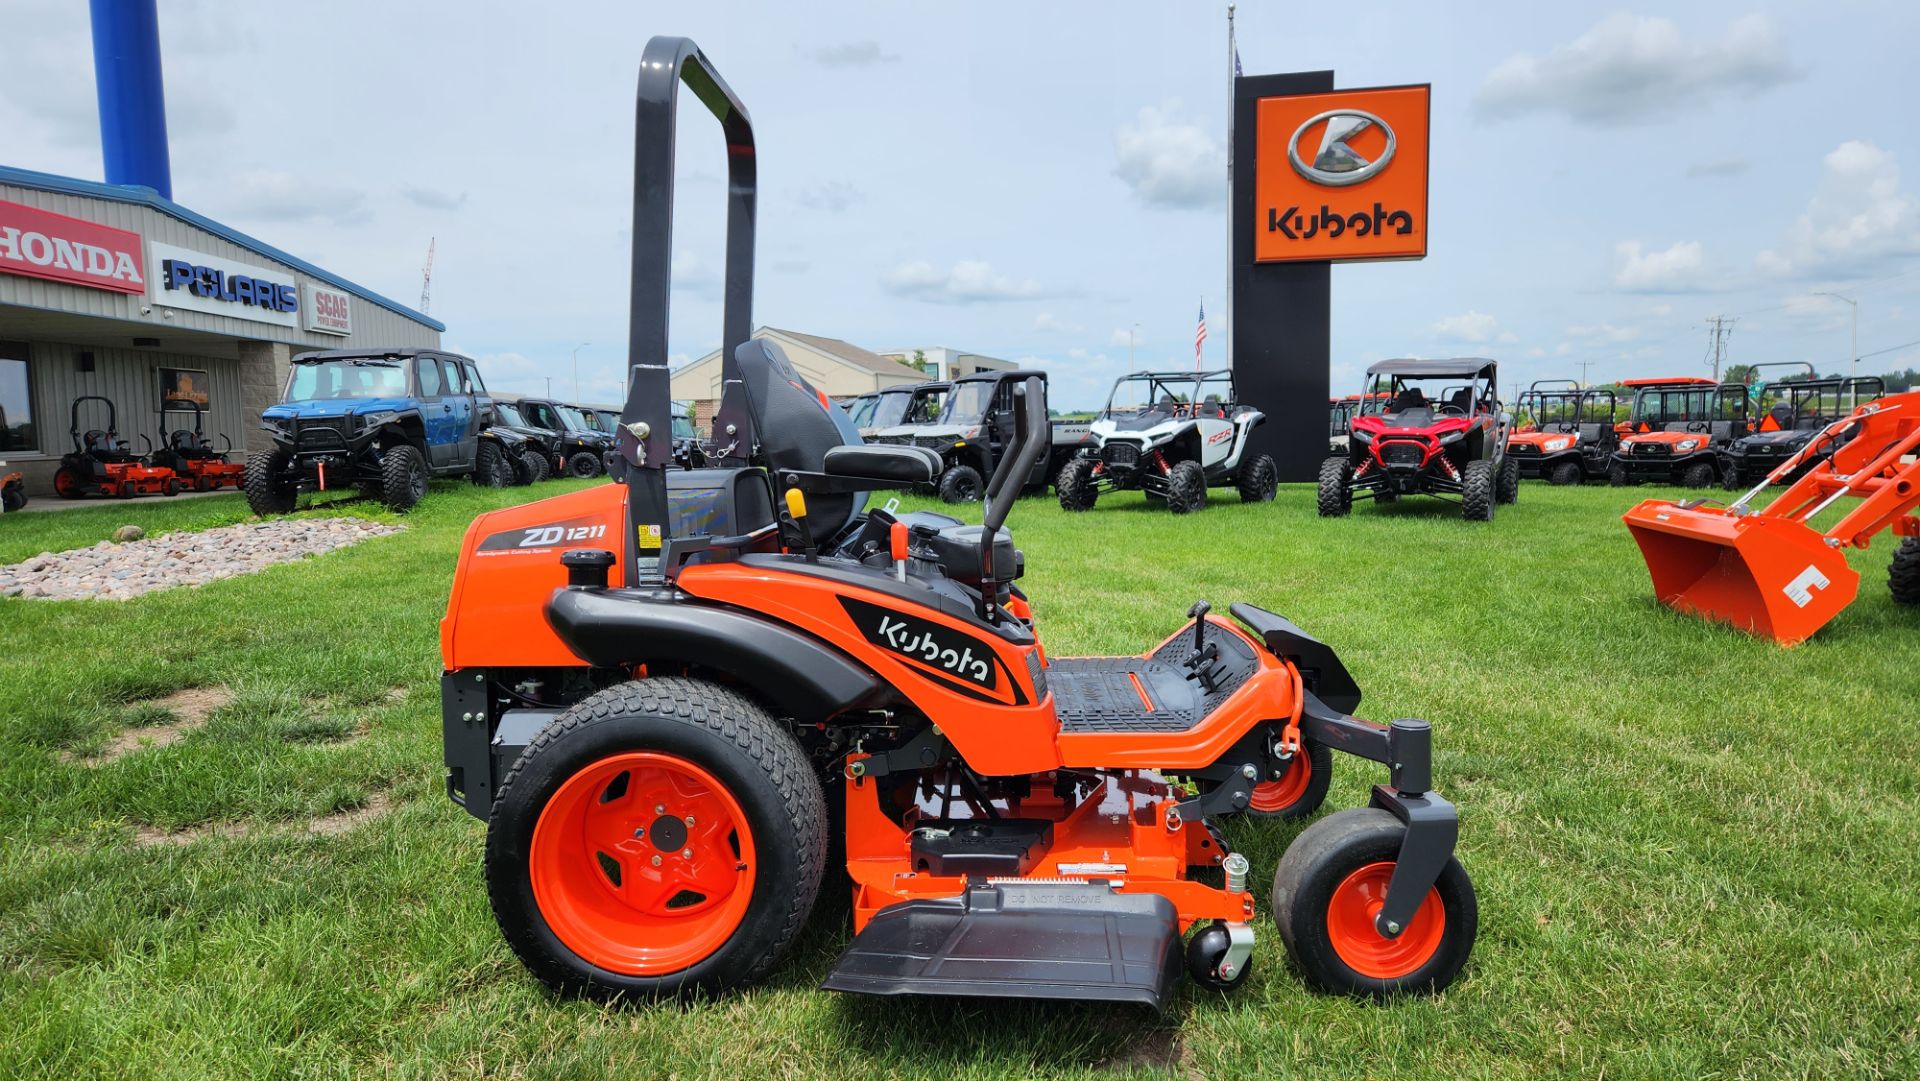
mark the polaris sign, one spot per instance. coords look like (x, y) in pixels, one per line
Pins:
(180, 278)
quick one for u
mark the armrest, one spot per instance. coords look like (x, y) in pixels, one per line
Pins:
(883, 462)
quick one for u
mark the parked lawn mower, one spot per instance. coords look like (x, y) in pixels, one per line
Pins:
(1419, 434)
(1679, 426)
(1569, 433)
(1171, 435)
(13, 491)
(191, 457)
(647, 684)
(1790, 414)
(103, 464)
(1768, 571)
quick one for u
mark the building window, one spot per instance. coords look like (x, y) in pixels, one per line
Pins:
(16, 400)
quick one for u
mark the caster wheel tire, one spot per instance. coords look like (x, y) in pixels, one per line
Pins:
(1205, 950)
(663, 837)
(1331, 883)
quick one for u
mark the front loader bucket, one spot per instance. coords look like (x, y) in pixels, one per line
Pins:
(1768, 576)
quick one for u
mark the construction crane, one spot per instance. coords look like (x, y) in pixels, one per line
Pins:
(426, 280)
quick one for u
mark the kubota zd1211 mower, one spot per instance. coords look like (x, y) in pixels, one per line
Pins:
(102, 463)
(192, 457)
(1770, 572)
(663, 695)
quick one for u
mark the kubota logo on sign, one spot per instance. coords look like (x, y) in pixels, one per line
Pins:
(1341, 176)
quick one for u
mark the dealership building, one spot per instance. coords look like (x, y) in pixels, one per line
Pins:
(117, 292)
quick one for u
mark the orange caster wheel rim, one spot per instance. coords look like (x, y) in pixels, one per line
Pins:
(1350, 914)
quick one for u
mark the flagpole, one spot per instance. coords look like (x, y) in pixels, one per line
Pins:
(1233, 62)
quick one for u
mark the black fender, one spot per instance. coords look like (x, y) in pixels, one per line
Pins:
(799, 676)
(506, 437)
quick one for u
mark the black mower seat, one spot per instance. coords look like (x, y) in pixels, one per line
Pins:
(1144, 694)
(889, 462)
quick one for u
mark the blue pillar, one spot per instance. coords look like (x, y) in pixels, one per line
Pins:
(133, 105)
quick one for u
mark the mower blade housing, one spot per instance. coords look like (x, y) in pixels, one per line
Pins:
(1773, 577)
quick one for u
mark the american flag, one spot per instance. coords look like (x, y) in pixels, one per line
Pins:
(1200, 335)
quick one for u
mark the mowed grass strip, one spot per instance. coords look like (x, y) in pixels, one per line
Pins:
(1697, 854)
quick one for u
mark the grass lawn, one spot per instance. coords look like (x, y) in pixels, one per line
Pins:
(1697, 855)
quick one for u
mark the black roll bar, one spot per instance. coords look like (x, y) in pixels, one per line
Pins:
(646, 422)
(1030, 415)
(73, 418)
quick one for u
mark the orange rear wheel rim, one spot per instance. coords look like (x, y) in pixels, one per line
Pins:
(1270, 797)
(643, 863)
(1350, 914)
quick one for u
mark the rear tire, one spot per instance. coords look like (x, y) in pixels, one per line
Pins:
(13, 498)
(1336, 488)
(403, 477)
(1697, 475)
(490, 466)
(600, 923)
(1329, 884)
(1477, 492)
(1903, 574)
(1258, 480)
(961, 484)
(1506, 485)
(584, 464)
(67, 485)
(1731, 478)
(268, 492)
(1566, 473)
(1617, 476)
(1186, 487)
(1075, 485)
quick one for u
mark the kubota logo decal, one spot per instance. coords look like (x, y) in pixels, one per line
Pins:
(936, 650)
(1800, 590)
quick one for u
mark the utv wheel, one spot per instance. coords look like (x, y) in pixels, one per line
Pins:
(403, 477)
(1186, 487)
(1617, 476)
(665, 836)
(1903, 574)
(584, 464)
(1205, 950)
(1258, 480)
(520, 465)
(537, 465)
(1336, 487)
(1477, 492)
(1506, 484)
(264, 479)
(1565, 473)
(1697, 475)
(490, 466)
(961, 484)
(1075, 485)
(1731, 478)
(1331, 883)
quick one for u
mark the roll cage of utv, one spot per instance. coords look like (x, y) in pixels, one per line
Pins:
(1426, 427)
(887, 409)
(975, 431)
(647, 684)
(1567, 432)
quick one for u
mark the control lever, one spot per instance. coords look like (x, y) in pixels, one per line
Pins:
(1204, 665)
(897, 545)
(797, 511)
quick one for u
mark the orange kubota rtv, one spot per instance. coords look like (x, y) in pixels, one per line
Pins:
(672, 697)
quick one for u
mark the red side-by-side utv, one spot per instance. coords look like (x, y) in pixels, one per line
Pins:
(1426, 427)
(684, 702)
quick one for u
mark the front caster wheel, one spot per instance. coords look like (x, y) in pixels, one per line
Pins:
(1206, 950)
(1330, 885)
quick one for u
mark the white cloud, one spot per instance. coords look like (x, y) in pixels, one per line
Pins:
(275, 196)
(1169, 162)
(970, 281)
(1660, 311)
(1638, 69)
(831, 196)
(1469, 326)
(852, 54)
(434, 198)
(1602, 334)
(1679, 268)
(1049, 323)
(1119, 339)
(1859, 216)
(1536, 353)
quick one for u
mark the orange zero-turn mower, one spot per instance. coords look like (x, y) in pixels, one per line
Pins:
(192, 456)
(102, 463)
(1770, 571)
(663, 695)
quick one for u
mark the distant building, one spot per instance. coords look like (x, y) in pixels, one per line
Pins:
(941, 362)
(841, 369)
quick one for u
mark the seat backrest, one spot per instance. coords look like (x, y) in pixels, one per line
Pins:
(1210, 406)
(1590, 433)
(1677, 426)
(1721, 429)
(97, 442)
(796, 425)
(1410, 398)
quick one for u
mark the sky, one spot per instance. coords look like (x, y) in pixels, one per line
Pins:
(1038, 182)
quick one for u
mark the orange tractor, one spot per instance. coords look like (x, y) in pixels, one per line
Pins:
(1768, 570)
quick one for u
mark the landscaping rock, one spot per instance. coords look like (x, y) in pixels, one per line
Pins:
(120, 572)
(128, 533)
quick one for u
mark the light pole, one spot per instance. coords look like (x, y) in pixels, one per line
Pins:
(1130, 331)
(576, 370)
(1855, 305)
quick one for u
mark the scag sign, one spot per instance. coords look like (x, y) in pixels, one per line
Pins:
(1341, 176)
(329, 311)
(40, 244)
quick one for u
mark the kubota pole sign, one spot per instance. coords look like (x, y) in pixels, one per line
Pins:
(1341, 176)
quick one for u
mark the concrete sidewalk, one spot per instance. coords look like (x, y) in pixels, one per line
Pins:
(54, 503)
